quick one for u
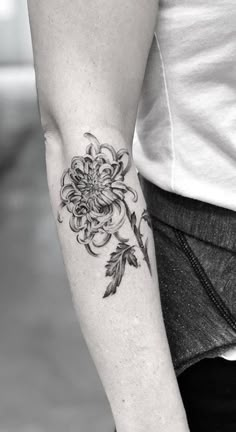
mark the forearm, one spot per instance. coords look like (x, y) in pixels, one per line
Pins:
(116, 292)
(90, 59)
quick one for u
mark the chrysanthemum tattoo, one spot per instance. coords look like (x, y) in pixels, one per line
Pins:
(94, 192)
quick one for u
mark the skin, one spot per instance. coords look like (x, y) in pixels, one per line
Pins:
(90, 60)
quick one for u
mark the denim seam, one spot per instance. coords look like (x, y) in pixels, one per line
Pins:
(205, 281)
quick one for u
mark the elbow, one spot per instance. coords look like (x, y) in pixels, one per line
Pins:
(56, 139)
(49, 123)
(64, 129)
(64, 142)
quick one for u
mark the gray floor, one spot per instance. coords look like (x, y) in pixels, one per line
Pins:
(48, 381)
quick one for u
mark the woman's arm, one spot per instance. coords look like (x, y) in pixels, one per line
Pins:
(90, 59)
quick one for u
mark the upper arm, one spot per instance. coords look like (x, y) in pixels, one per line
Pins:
(90, 58)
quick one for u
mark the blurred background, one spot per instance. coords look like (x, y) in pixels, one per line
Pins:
(48, 381)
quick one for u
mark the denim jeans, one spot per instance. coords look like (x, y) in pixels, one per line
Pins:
(196, 260)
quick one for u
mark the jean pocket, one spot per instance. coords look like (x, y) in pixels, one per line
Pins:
(215, 268)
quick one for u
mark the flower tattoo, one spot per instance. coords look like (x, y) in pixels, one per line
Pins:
(94, 193)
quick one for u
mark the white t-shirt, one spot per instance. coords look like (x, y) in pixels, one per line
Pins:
(185, 133)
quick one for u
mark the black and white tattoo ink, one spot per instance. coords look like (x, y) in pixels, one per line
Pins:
(94, 193)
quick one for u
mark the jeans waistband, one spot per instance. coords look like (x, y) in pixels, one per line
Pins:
(216, 225)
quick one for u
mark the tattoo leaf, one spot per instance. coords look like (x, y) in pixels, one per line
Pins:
(132, 259)
(147, 218)
(115, 267)
(133, 220)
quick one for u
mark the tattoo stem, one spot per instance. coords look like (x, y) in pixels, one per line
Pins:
(138, 236)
